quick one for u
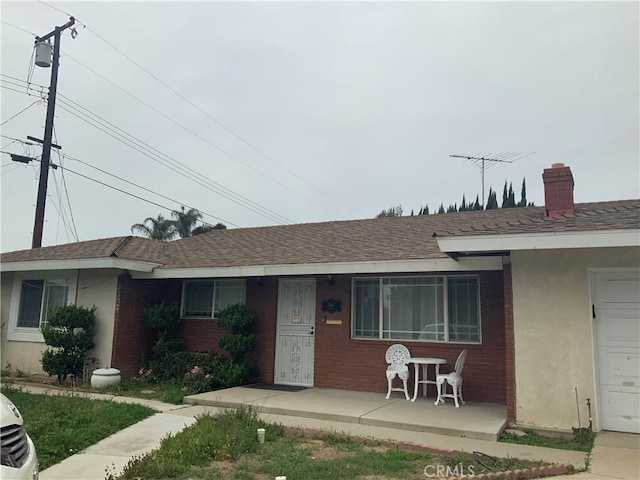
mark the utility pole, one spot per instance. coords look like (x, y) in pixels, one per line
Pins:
(48, 130)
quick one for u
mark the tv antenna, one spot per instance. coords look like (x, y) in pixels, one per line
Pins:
(480, 161)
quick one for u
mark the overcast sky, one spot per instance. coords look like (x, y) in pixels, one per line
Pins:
(306, 112)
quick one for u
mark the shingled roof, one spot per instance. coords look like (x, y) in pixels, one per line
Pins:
(370, 240)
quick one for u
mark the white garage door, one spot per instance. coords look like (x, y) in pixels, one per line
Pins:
(617, 328)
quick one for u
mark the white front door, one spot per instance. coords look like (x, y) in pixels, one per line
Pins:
(295, 332)
(616, 297)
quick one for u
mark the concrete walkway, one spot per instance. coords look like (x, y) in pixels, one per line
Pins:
(616, 456)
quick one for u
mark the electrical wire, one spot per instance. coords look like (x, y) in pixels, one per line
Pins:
(174, 169)
(18, 28)
(108, 186)
(190, 131)
(21, 111)
(65, 103)
(193, 105)
(216, 121)
(186, 129)
(60, 210)
(64, 184)
(148, 190)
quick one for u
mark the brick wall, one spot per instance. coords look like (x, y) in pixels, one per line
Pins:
(132, 339)
(509, 339)
(203, 334)
(340, 362)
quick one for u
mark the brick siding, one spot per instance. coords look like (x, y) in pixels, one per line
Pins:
(340, 361)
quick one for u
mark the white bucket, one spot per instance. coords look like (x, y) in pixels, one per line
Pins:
(105, 377)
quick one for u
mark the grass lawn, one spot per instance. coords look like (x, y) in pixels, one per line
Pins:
(582, 440)
(62, 425)
(225, 446)
(168, 392)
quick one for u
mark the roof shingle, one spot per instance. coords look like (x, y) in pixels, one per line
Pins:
(390, 238)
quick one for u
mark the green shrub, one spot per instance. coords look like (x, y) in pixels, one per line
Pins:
(162, 317)
(69, 333)
(238, 318)
(238, 345)
(232, 374)
(165, 346)
(177, 364)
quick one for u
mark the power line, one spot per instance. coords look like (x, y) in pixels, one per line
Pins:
(66, 190)
(210, 117)
(147, 189)
(163, 158)
(140, 149)
(149, 151)
(205, 113)
(112, 187)
(19, 28)
(21, 111)
(188, 130)
(191, 131)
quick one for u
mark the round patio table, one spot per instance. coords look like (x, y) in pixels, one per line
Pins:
(425, 362)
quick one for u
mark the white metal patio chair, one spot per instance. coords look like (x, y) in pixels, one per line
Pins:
(454, 379)
(397, 357)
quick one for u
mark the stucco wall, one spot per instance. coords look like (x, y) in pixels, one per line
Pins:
(554, 350)
(98, 287)
(94, 288)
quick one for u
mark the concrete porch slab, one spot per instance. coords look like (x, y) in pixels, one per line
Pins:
(480, 421)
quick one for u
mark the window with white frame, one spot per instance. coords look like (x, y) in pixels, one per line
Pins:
(36, 299)
(32, 297)
(205, 298)
(434, 308)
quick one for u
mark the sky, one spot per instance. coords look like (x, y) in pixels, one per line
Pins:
(271, 113)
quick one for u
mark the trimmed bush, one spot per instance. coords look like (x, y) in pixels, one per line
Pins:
(69, 333)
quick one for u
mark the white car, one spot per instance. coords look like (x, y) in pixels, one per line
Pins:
(19, 460)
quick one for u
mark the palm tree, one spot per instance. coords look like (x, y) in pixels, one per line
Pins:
(207, 228)
(156, 228)
(185, 222)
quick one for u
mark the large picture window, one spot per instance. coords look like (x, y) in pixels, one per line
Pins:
(205, 298)
(439, 308)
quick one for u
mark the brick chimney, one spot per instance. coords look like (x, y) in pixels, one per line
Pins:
(558, 190)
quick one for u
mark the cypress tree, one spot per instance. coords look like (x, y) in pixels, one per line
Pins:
(492, 201)
(523, 194)
(505, 196)
(512, 197)
(441, 208)
(425, 210)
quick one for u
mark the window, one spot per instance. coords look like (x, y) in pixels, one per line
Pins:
(37, 297)
(441, 309)
(32, 296)
(205, 298)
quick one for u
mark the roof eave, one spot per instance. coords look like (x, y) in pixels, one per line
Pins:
(539, 241)
(332, 268)
(79, 264)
